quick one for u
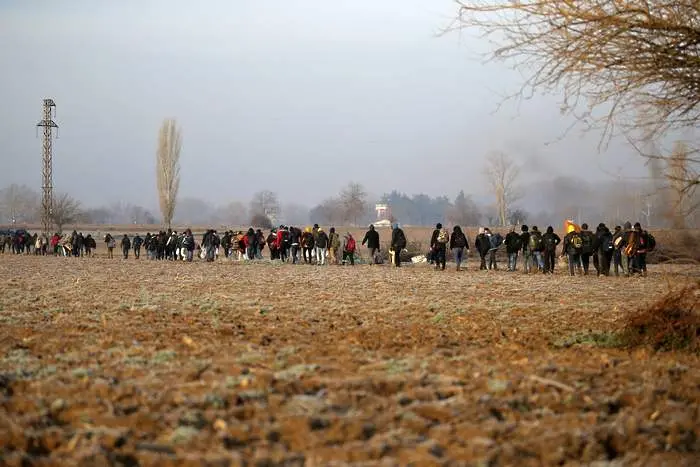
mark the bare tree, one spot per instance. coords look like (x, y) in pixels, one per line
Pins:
(19, 204)
(502, 175)
(330, 211)
(168, 168)
(353, 200)
(66, 210)
(265, 203)
(636, 60)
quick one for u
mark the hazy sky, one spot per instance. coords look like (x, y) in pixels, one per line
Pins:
(295, 96)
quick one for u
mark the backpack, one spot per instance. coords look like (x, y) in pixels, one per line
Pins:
(536, 243)
(443, 236)
(459, 240)
(350, 245)
(606, 243)
(586, 242)
(576, 241)
(617, 242)
(517, 243)
(496, 240)
(651, 242)
(549, 242)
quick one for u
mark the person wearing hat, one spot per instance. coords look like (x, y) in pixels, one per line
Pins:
(321, 246)
(573, 245)
(482, 243)
(307, 245)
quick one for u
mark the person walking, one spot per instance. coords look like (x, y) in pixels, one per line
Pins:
(537, 248)
(349, 247)
(438, 245)
(573, 245)
(398, 243)
(138, 241)
(513, 246)
(551, 240)
(111, 243)
(372, 241)
(334, 247)
(321, 246)
(482, 245)
(459, 244)
(126, 246)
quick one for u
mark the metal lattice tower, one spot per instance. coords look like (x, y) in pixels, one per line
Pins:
(47, 167)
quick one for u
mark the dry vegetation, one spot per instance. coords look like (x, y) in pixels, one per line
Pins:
(112, 362)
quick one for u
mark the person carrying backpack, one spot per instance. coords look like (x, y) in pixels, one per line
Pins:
(588, 248)
(550, 241)
(111, 243)
(573, 245)
(398, 243)
(349, 247)
(536, 248)
(459, 244)
(645, 243)
(513, 246)
(438, 245)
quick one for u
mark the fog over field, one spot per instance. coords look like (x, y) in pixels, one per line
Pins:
(298, 97)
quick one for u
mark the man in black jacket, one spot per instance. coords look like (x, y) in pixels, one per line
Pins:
(604, 249)
(525, 242)
(588, 248)
(513, 246)
(126, 246)
(372, 241)
(482, 243)
(550, 240)
(398, 243)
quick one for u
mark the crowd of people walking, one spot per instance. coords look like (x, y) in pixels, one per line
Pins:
(622, 250)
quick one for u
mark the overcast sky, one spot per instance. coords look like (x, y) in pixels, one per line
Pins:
(295, 96)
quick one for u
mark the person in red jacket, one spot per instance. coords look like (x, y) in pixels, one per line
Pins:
(54, 243)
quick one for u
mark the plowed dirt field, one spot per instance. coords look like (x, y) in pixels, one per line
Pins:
(113, 362)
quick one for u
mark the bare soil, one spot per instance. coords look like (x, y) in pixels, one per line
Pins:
(113, 362)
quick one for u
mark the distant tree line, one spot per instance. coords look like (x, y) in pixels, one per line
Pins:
(663, 200)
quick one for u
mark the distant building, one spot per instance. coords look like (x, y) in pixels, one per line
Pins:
(383, 211)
